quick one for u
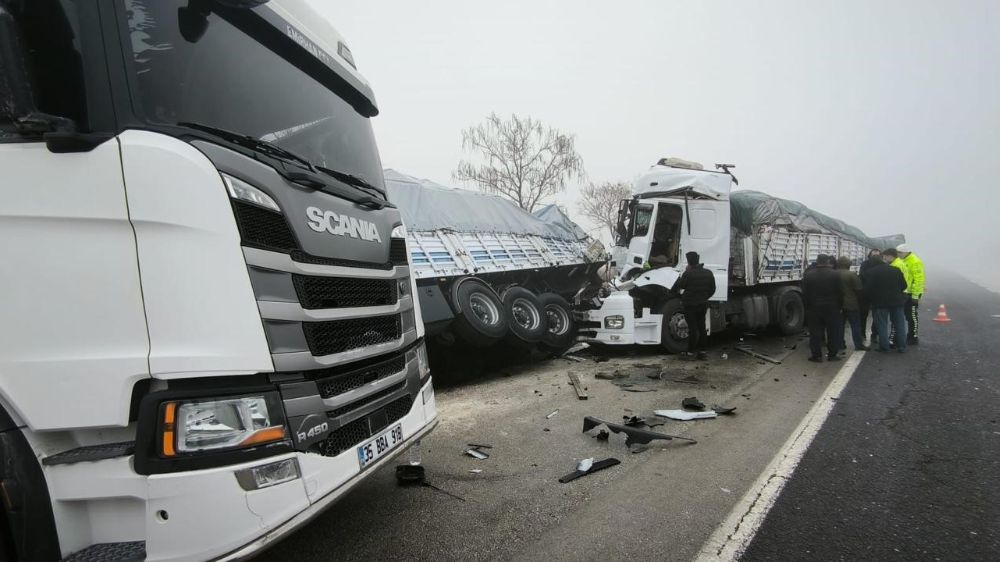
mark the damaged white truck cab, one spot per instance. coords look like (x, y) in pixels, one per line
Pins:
(192, 364)
(757, 247)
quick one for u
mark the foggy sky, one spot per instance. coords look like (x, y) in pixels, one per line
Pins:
(884, 114)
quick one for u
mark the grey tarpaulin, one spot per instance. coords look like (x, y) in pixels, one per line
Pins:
(750, 209)
(555, 216)
(426, 206)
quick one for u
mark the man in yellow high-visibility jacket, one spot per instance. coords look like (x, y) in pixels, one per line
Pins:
(915, 290)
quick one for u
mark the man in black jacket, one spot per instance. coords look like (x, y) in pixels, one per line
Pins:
(696, 286)
(885, 286)
(874, 257)
(823, 294)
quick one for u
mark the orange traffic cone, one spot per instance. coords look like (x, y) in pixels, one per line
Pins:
(942, 315)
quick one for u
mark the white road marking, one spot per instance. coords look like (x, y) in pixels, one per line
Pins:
(733, 536)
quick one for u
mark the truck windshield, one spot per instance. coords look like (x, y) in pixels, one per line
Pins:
(218, 76)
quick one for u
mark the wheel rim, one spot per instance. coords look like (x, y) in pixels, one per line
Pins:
(484, 309)
(678, 326)
(558, 319)
(525, 314)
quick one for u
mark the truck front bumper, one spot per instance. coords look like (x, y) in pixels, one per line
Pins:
(618, 309)
(206, 514)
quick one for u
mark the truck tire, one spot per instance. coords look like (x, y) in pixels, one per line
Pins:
(526, 318)
(561, 327)
(479, 313)
(789, 311)
(674, 330)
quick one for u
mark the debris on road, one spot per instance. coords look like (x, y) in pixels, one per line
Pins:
(632, 434)
(633, 421)
(569, 353)
(685, 415)
(746, 349)
(723, 411)
(637, 448)
(552, 414)
(476, 470)
(602, 435)
(479, 445)
(477, 454)
(594, 467)
(616, 374)
(574, 381)
(690, 379)
(585, 464)
(693, 403)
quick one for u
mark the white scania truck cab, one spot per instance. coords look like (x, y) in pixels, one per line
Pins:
(208, 323)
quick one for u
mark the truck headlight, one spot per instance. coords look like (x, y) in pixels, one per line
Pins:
(614, 322)
(217, 424)
(241, 190)
(419, 354)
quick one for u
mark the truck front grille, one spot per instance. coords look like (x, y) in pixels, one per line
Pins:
(366, 400)
(333, 384)
(261, 228)
(358, 430)
(337, 336)
(344, 292)
(397, 252)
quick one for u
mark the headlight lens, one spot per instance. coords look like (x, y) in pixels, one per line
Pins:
(215, 424)
(423, 364)
(614, 322)
(242, 191)
(398, 232)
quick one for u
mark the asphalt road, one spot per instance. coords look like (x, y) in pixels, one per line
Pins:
(907, 467)
(661, 504)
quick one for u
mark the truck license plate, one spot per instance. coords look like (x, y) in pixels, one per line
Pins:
(379, 445)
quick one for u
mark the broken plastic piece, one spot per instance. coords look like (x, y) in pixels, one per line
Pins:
(585, 464)
(479, 446)
(723, 411)
(693, 403)
(685, 415)
(476, 454)
(476, 470)
(633, 421)
(632, 434)
(602, 435)
(578, 347)
(552, 414)
(638, 448)
(597, 466)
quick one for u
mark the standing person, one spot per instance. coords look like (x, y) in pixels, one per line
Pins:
(853, 293)
(884, 285)
(823, 296)
(895, 261)
(874, 257)
(915, 290)
(696, 286)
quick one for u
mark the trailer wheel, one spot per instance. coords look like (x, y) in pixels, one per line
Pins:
(561, 331)
(674, 330)
(790, 311)
(527, 320)
(479, 313)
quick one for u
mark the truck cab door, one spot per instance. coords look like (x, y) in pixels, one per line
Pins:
(706, 231)
(640, 229)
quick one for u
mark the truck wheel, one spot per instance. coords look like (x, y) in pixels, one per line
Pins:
(674, 330)
(527, 320)
(561, 332)
(479, 314)
(790, 312)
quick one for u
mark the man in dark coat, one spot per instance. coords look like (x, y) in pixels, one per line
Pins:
(822, 291)
(696, 286)
(874, 257)
(853, 293)
(885, 287)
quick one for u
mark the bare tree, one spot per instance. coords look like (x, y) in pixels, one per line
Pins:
(519, 158)
(599, 203)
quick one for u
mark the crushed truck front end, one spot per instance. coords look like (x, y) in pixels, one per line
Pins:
(220, 334)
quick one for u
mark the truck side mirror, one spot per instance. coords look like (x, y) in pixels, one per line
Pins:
(16, 98)
(192, 20)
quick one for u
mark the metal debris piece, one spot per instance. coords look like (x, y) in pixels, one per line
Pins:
(479, 445)
(576, 348)
(595, 467)
(476, 470)
(552, 414)
(632, 434)
(585, 464)
(685, 415)
(723, 411)
(693, 403)
(477, 454)
(752, 353)
(602, 435)
(633, 421)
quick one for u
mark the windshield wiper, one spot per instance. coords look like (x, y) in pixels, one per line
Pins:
(350, 179)
(252, 143)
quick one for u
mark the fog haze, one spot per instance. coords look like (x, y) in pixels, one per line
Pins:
(883, 114)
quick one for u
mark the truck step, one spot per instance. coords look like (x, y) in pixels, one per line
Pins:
(110, 551)
(92, 453)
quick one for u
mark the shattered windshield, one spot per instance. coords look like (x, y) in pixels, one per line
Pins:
(214, 74)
